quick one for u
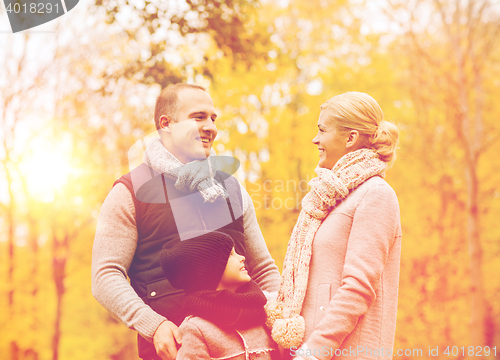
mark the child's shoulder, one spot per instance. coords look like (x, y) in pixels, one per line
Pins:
(205, 327)
(219, 342)
(228, 342)
(197, 321)
(198, 326)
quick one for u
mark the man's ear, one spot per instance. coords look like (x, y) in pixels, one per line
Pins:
(165, 122)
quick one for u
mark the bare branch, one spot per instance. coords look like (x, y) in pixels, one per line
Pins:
(443, 17)
(474, 21)
(490, 141)
(492, 40)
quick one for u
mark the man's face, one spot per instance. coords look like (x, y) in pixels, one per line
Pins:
(193, 130)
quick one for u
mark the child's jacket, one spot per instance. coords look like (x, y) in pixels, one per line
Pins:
(226, 325)
(203, 340)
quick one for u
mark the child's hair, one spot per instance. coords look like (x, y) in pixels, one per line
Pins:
(197, 263)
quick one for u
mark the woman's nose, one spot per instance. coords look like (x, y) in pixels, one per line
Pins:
(315, 140)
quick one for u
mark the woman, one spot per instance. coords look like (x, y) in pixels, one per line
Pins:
(339, 289)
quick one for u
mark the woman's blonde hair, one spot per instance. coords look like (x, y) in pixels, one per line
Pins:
(359, 111)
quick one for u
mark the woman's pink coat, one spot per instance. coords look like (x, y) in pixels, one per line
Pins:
(352, 293)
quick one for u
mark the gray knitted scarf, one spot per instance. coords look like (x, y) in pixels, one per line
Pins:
(195, 176)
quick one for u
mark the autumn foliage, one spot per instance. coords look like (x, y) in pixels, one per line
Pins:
(68, 120)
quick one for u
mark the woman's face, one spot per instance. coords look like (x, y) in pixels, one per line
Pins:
(331, 145)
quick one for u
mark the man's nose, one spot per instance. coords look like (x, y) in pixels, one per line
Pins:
(209, 125)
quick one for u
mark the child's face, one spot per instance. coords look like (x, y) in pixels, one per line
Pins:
(235, 273)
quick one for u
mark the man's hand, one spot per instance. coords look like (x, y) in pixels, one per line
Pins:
(165, 339)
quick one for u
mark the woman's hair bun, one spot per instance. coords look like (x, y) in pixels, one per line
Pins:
(385, 141)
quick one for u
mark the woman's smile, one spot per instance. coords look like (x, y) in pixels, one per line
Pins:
(331, 144)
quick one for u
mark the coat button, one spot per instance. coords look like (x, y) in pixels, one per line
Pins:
(153, 293)
(322, 308)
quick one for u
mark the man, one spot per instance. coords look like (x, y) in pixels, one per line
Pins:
(159, 201)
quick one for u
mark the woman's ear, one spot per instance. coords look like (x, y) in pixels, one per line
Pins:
(165, 122)
(353, 140)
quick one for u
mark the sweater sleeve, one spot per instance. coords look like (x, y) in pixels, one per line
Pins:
(112, 254)
(373, 231)
(193, 346)
(261, 265)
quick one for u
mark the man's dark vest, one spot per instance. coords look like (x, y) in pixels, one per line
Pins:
(164, 215)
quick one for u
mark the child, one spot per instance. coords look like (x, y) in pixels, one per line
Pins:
(225, 306)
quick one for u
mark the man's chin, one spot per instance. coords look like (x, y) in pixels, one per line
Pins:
(201, 156)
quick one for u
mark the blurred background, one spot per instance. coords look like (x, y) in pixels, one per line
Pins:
(77, 93)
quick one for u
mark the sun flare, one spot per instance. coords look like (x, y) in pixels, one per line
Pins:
(46, 172)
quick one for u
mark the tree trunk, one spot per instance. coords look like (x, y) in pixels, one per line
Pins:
(35, 304)
(470, 136)
(59, 264)
(10, 242)
(475, 256)
(11, 251)
(475, 135)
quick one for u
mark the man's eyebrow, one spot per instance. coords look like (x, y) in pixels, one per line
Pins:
(203, 113)
(197, 113)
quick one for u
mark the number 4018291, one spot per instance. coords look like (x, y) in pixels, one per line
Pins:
(470, 351)
(32, 8)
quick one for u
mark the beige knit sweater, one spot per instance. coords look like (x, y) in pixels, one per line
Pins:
(352, 294)
(114, 249)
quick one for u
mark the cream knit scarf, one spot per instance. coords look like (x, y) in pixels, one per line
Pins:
(194, 176)
(283, 315)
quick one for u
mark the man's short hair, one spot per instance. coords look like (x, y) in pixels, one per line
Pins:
(168, 101)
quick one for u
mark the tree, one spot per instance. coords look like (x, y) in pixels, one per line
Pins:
(449, 52)
(161, 27)
(20, 83)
